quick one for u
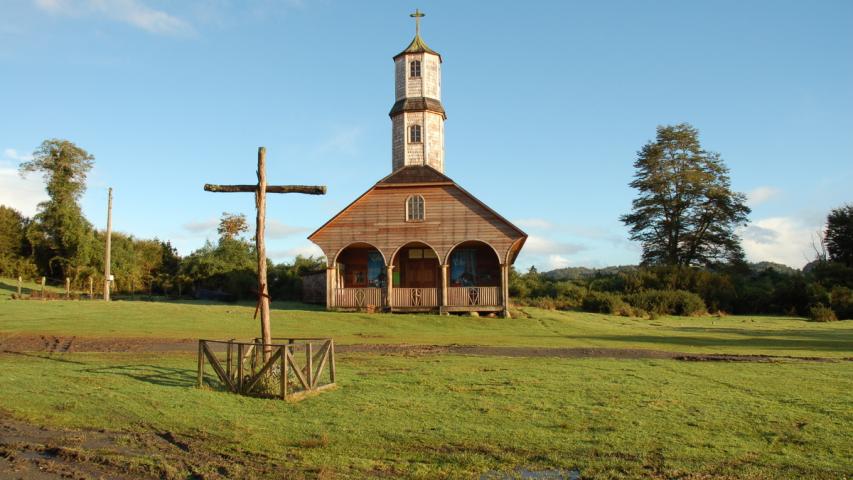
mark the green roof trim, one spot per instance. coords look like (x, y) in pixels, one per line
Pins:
(418, 46)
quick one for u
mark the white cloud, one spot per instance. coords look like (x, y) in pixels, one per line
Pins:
(13, 155)
(276, 229)
(541, 245)
(760, 195)
(556, 261)
(539, 223)
(305, 250)
(21, 193)
(779, 239)
(202, 226)
(131, 12)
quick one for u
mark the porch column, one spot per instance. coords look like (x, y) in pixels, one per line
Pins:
(443, 303)
(505, 289)
(331, 277)
(389, 285)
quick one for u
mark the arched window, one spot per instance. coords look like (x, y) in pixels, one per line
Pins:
(415, 68)
(415, 208)
(415, 134)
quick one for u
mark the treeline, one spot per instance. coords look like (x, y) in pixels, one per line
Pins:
(222, 270)
(59, 243)
(823, 291)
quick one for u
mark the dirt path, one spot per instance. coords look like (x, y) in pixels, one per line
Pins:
(52, 344)
(29, 452)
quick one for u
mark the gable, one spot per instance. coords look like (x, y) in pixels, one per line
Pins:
(452, 216)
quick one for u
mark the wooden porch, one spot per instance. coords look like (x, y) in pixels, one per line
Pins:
(469, 279)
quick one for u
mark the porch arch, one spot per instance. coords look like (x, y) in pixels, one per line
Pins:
(357, 244)
(473, 240)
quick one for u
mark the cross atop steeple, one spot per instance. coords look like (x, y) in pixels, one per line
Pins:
(417, 16)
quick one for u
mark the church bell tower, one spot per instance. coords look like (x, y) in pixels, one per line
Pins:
(417, 117)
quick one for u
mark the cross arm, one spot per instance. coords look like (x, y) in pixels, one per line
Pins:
(306, 189)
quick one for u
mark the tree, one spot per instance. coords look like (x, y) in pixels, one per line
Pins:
(231, 225)
(686, 212)
(61, 236)
(839, 235)
(13, 243)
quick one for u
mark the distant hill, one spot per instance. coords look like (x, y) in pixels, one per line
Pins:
(575, 273)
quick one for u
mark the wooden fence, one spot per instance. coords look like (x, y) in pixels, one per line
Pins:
(414, 297)
(472, 296)
(358, 297)
(244, 371)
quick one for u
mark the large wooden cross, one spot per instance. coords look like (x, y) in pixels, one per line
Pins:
(260, 190)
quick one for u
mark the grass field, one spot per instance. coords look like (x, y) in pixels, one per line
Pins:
(458, 416)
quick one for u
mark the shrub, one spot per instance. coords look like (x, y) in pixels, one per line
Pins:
(603, 302)
(842, 302)
(821, 313)
(668, 302)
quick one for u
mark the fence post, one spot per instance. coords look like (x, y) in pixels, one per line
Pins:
(309, 364)
(282, 350)
(20, 285)
(200, 363)
(91, 289)
(43, 279)
(67, 288)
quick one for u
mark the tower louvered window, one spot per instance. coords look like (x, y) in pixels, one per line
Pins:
(415, 134)
(415, 208)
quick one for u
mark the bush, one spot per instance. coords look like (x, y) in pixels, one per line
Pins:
(603, 302)
(842, 302)
(821, 313)
(668, 302)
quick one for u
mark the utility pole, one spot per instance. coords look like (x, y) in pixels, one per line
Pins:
(108, 246)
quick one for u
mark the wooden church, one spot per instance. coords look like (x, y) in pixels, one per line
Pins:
(416, 240)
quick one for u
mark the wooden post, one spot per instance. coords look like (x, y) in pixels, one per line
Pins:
(260, 190)
(43, 279)
(332, 372)
(228, 360)
(200, 363)
(283, 368)
(443, 309)
(389, 286)
(330, 288)
(91, 288)
(20, 285)
(309, 363)
(108, 245)
(240, 367)
(505, 289)
(264, 299)
(67, 288)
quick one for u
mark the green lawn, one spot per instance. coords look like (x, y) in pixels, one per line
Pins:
(440, 416)
(450, 416)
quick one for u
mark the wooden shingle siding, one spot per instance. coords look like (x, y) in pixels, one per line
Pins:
(452, 217)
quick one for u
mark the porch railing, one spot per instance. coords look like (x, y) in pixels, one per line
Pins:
(414, 297)
(358, 297)
(472, 296)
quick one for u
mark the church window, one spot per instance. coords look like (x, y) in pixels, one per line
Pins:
(415, 134)
(415, 69)
(415, 208)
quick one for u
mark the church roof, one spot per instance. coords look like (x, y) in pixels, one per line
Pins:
(417, 104)
(418, 46)
(414, 174)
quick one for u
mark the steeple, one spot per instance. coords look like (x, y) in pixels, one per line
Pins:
(417, 117)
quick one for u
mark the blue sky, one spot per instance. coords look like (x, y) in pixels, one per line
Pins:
(547, 104)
